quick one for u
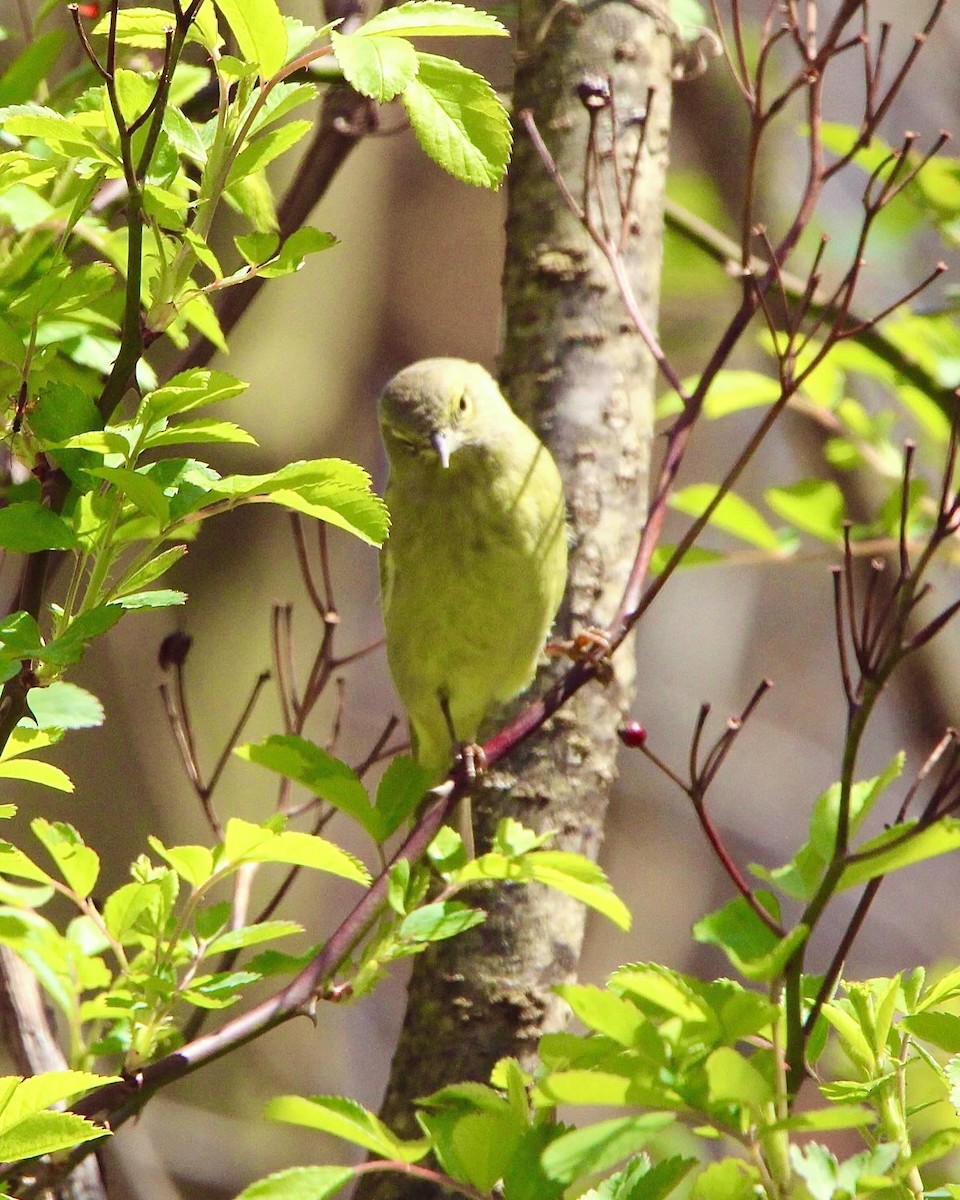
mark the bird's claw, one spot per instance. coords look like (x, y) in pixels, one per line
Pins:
(592, 648)
(474, 760)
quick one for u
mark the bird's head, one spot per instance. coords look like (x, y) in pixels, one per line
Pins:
(436, 407)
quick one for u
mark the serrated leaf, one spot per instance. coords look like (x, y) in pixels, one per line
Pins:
(252, 935)
(308, 764)
(122, 908)
(195, 864)
(752, 946)
(246, 842)
(583, 880)
(63, 705)
(299, 1183)
(329, 489)
(294, 250)
(838, 1116)
(599, 1146)
(33, 120)
(603, 1012)
(433, 18)
(186, 432)
(30, 771)
(401, 788)
(28, 526)
(47, 1133)
(260, 31)
(77, 863)
(189, 389)
(264, 149)
(459, 121)
(158, 598)
(151, 570)
(139, 489)
(891, 851)
(435, 922)
(733, 1079)
(345, 1119)
(378, 67)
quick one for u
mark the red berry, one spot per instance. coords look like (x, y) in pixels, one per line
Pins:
(632, 734)
(88, 10)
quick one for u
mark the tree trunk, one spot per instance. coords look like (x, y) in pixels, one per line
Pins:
(576, 369)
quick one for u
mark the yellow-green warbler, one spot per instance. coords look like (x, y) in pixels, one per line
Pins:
(476, 563)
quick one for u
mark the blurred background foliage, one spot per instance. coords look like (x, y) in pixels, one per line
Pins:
(417, 273)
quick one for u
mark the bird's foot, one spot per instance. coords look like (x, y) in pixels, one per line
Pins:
(473, 758)
(591, 647)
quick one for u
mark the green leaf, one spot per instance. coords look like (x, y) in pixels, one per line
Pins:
(750, 944)
(583, 880)
(20, 80)
(160, 598)
(28, 526)
(30, 771)
(14, 862)
(345, 1119)
(943, 1029)
(77, 863)
(246, 842)
(260, 31)
(459, 121)
(475, 1132)
(800, 878)
(143, 27)
(433, 18)
(264, 149)
(733, 1079)
(733, 514)
(184, 135)
(731, 391)
(224, 432)
(192, 863)
(603, 1012)
(400, 790)
(306, 763)
(47, 1133)
(815, 506)
(139, 489)
(151, 570)
(21, 1098)
(838, 1116)
(329, 489)
(63, 705)
(378, 67)
(299, 1183)
(189, 389)
(61, 411)
(599, 1146)
(123, 908)
(60, 133)
(892, 852)
(20, 636)
(252, 935)
(435, 922)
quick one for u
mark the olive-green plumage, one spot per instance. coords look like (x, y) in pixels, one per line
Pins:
(476, 563)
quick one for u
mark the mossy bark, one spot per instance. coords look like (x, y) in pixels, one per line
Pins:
(575, 368)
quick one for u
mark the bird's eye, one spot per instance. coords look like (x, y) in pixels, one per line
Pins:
(464, 403)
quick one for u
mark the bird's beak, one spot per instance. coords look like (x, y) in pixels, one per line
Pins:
(440, 443)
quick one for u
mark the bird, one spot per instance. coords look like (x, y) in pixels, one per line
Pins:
(475, 566)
